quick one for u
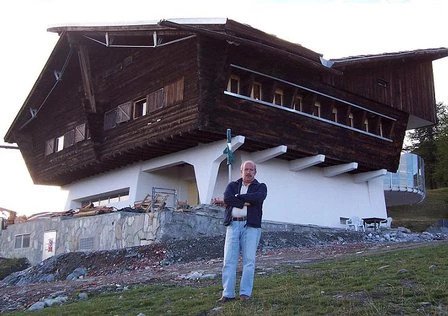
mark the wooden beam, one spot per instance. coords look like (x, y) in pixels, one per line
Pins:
(87, 82)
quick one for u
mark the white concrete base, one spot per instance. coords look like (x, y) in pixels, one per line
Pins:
(300, 196)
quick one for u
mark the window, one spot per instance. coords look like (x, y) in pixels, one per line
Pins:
(124, 112)
(22, 241)
(350, 119)
(80, 132)
(110, 119)
(59, 143)
(256, 92)
(316, 109)
(334, 113)
(140, 108)
(107, 198)
(298, 103)
(49, 146)
(278, 97)
(156, 100)
(380, 128)
(233, 85)
(366, 125)
(69, 138)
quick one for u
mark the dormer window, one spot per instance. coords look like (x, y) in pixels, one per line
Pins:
(233, 85)
(256, 92)
(278, 97)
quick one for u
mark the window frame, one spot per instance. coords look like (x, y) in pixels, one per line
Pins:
(24, 241)
(317, 106)
(278, 92)
(140, 103)
(260, 91)
(238, 83)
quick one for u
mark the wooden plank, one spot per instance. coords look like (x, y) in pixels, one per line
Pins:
(84, 64)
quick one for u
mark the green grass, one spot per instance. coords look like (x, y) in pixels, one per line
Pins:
(419, 217)
(406, 282)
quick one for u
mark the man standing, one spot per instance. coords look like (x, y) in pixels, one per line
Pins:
(244, 207)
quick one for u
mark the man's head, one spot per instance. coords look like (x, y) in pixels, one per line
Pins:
(248, 171)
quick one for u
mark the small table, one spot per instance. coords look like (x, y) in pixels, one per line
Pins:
(376, 221)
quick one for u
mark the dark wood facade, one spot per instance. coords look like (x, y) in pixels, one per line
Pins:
(119, 95)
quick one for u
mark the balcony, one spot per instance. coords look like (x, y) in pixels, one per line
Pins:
(407, 186)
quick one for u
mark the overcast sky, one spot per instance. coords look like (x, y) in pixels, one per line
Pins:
(334, 28)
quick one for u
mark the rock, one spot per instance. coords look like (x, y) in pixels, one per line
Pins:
(83, 296)
(37, 306)
(76, 274)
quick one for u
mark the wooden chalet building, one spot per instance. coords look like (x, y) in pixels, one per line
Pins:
(120, 110)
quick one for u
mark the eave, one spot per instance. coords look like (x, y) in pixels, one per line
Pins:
(429, 54)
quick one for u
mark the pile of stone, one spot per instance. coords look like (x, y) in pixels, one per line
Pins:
(404, 235)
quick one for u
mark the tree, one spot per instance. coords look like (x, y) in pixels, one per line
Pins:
(430, 143)
(441, 168)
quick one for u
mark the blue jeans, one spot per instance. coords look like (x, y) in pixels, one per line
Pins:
(239, 237)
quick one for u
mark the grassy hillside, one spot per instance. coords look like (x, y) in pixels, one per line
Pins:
(399, 282)
(420, 216)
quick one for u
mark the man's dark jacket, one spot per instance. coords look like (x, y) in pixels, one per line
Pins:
(256, 193)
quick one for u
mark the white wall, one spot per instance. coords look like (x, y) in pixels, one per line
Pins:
(106, 182)
(302, 197)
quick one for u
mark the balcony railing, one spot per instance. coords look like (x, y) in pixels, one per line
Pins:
(407, 185)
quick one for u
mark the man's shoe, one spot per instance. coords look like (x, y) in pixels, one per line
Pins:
(244, 298)
(224, 299)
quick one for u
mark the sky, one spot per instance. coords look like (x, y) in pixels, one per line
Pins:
(334, 28)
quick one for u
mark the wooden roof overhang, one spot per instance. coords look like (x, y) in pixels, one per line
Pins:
(145, 35)
(48, 79)
(404, 56)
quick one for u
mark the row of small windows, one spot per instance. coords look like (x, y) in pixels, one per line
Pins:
(106, 199)
(168, 95)
(305, 102)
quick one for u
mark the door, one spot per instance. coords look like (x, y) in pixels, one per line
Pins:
(49, 244)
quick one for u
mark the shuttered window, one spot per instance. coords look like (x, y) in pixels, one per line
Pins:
(49, 147)
(80, 132)
(110, 119)
(174, 92)
(69, 138)
(156, 100)
(124, 112)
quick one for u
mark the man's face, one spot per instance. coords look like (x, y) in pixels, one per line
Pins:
(248, 172)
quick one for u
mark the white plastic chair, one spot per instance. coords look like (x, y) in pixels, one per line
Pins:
(356, 223)
(387, 223)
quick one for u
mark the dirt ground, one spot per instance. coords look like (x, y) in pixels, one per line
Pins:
(109, 271)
